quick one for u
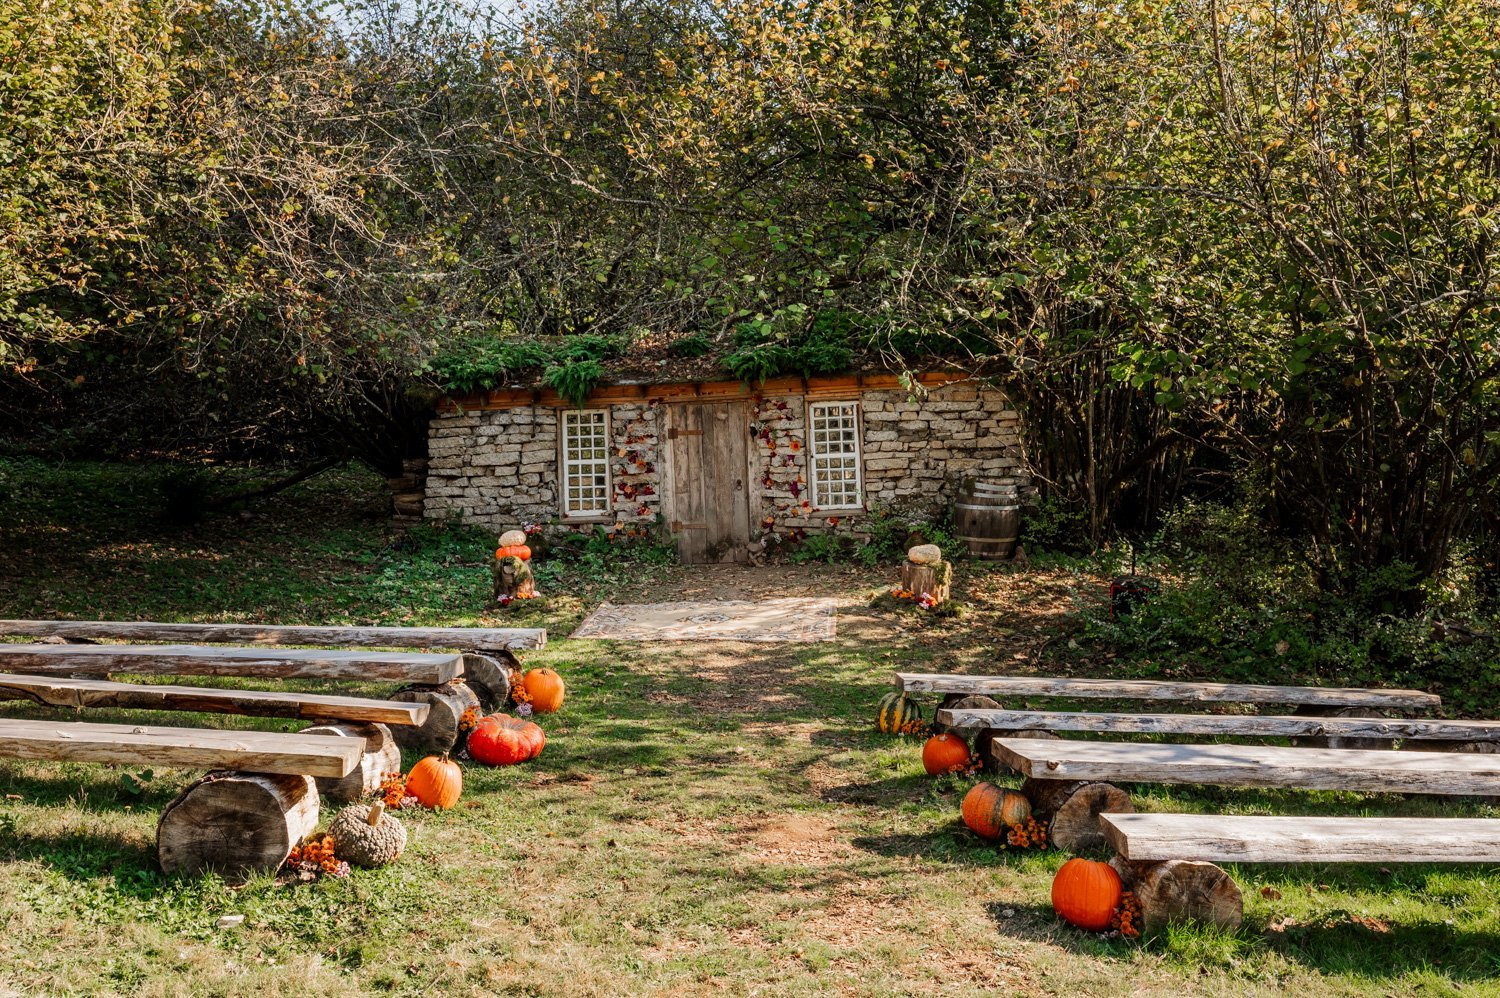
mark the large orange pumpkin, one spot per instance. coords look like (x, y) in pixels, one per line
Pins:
(943, 752)
(1086, 893)
(502, 740)
(989, 810)
(513, 550)
(545, 688)
(435, 782)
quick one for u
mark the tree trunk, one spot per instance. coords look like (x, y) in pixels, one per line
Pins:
(1075, 806)
(1179, 890)
(935, 580)
(444, 727)
(381, 756)
(239, 824)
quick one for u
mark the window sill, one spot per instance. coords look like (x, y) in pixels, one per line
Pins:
(583, 521)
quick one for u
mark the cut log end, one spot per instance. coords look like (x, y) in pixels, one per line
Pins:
(1182, 890)
(1075, 807)
(489, 675)
(444, 727)
(381, 756)
(238, 824)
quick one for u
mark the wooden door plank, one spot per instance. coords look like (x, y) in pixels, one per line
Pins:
(685, 452)
(207, 660)
(1252, 766)
(726, 502)
(1247, 725)
(77, 693)
(190, 748)
(1219, 838)
(464, 638)
(1148, 689)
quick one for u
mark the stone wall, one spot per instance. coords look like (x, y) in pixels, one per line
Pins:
(499, 468)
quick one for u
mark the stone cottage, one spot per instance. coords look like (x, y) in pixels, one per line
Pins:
(723, 463)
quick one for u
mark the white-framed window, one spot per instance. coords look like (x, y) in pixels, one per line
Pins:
(833, 438)
(585, 463)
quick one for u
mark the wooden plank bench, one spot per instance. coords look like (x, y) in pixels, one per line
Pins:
(462, 638)
(77, 693)
(1248, 726)
(1168, 860)
(1074, 781)
(490, 660)
(238, 822)
(1150, 689)
(205, 660)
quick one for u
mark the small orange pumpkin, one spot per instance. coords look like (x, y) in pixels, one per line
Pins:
(513, 551)
(989, 810)
(435, 782)
(943, 752)
(1086, 893)
(545, 688)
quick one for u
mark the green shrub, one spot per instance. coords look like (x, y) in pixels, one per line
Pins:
(765, 350)
(692, 345)
(828, 548)
(1051, 524)
(572, 365)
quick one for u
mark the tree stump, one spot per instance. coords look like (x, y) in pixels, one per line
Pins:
(239, 824)
(512, 580)
(1182, 890)
(936, 579)
(1335, 741)
(489, 674)
(381, 756)
(444, 726)
(1075, 806)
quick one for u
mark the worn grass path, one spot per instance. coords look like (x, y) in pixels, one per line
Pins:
(705, 819)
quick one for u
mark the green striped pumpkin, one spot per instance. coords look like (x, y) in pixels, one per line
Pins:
(896, 711)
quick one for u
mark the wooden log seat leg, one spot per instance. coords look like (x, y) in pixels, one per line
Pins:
(382, 755)
(1182, 890)
(985, 736)
(1075, 806)
(1335, 741)
(490, 674)
(443, 729)
(238, 824)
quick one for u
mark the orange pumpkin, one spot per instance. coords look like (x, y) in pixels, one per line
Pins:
(1086, 893)
(943, 752)
(989, 810)
(545, 688)
(513, 551)
(435, 782)
(502, 740)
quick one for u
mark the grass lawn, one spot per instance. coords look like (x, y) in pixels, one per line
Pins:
(705, 818)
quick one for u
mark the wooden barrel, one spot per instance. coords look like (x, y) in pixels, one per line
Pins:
(987, 517)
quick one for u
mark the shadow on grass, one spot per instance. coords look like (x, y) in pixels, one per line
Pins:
(106, 793)
(88, 856)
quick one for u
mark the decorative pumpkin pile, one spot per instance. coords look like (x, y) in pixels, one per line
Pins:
(899, 715)
(513, 545)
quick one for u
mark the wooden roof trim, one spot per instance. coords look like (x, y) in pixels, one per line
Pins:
(829, 387)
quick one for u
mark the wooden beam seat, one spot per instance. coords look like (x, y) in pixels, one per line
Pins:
(1146, 689)
(207, 660)
(1247, 726)
(1252, 766)
(1168, 860)
(460, 638)
(63, 692)
(1217, 838)
(193, 748)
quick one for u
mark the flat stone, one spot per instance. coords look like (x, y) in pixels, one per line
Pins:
(925, 554)
(512, 537)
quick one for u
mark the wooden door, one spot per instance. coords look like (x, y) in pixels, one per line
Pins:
(708, 480)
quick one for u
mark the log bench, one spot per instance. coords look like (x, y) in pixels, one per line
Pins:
(1080, 776)
(489, 653)
(1169, 859)
(434, 680)
(978, 692)
(238, 822)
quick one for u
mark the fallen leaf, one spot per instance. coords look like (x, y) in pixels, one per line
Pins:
(1270, 894)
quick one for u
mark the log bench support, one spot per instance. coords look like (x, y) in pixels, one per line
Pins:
(443, 729)
(382, 755)
(236, 824)
(1182, 890)
(490, 675)
(1074, 807)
